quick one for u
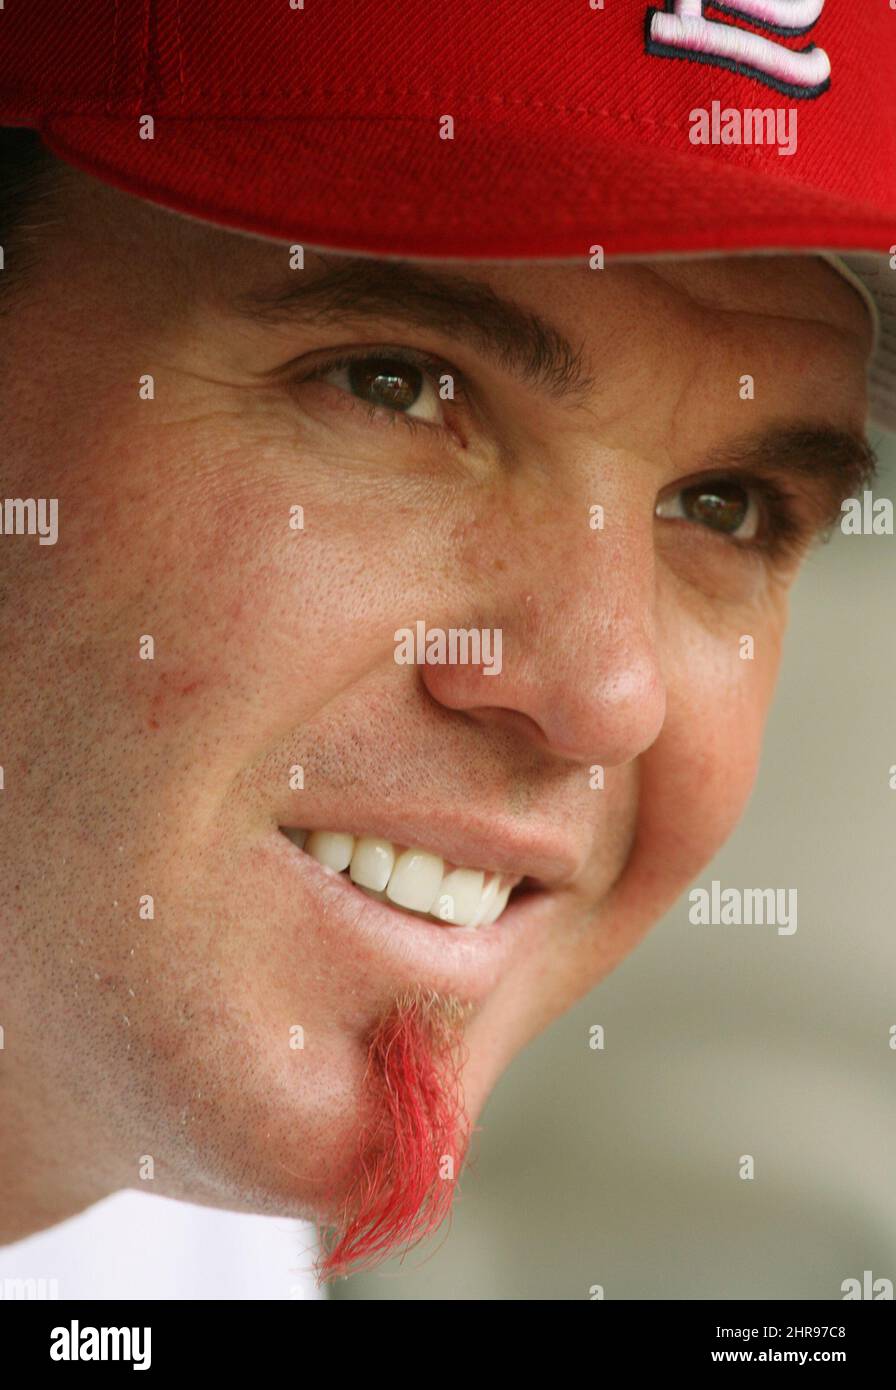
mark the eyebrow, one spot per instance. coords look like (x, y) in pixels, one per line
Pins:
(348, 287)
(839, 461)
(452, 303)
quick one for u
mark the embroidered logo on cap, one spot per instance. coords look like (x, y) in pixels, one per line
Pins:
(682, 30)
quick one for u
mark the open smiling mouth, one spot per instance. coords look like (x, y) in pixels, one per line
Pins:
(413, 880)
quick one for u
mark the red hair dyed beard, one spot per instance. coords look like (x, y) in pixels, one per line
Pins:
(412, 1150)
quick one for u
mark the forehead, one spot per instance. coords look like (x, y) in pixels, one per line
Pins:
(779, 285)
(209, 262)
(773, 292)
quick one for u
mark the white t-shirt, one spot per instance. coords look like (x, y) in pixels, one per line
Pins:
(138, 1245)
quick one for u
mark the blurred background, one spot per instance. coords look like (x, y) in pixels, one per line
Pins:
(620, 1167)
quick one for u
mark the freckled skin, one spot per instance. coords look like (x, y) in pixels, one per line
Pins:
(168, 1037)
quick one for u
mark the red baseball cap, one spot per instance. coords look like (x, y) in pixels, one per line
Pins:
(488, 129)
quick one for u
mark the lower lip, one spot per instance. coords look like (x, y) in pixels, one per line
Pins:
(412, 951)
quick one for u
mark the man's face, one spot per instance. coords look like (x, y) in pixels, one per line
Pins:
(623, 649)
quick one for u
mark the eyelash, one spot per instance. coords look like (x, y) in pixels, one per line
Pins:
(783, 532)
(426, 362)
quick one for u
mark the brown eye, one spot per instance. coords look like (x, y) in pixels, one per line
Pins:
(723, 505)
(387, 382)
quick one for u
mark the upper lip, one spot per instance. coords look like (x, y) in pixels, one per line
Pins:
(479, 840)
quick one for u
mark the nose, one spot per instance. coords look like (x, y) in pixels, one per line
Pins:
(580, 670)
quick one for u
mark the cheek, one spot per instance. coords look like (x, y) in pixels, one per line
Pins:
(183, 538)
(691, 788)
(694, 782)
(696, 779)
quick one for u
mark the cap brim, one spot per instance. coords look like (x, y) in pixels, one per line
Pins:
(879, 278)
(498, 192)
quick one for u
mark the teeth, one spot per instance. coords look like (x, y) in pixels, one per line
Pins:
(498, 905)
(372, 864)
(413, 879)
(416, 880)
(487, 901)
(459, 897)
(331, 849)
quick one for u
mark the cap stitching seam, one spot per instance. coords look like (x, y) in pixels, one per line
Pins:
(144, 51)
(180, 51)
(111, 78)
(632, 118)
